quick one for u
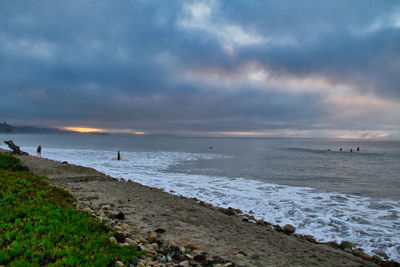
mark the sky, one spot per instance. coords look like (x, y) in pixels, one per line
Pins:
(306, 68)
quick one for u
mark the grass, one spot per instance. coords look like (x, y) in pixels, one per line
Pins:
(40, 227)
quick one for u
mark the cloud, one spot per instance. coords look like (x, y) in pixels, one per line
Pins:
(203, 66)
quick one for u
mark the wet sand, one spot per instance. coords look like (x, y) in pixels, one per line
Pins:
(187, 221)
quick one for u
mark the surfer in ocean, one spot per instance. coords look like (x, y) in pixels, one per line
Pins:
(118, 156)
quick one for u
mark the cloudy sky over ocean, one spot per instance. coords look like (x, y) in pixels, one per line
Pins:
(237, 68)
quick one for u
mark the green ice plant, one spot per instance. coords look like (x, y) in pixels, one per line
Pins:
(39, 226)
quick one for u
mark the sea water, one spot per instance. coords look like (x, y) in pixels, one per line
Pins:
(331, 194)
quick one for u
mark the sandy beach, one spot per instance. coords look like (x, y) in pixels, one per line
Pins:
(208, 231)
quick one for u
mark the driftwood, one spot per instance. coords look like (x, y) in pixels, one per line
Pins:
(15, 149)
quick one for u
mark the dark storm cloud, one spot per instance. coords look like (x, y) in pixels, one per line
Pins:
(124, 64)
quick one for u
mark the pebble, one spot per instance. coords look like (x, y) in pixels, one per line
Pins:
(171, 243)
(120, 237)
(113, 240)
(260, 222)
(107, 207)
(94, 206)
(153, 237)
(184, 264)
(125, 225)
(311, 239)
(289, 229)
(119, 263)
(143, 240)
(130, 241)
(92, 196)
(348, 250)
(346, 244)
(376, 259)
(333, 244)
(380, 253)
(120, 215)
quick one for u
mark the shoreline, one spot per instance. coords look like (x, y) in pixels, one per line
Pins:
(190, 223)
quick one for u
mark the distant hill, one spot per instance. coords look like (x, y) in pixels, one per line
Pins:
(7, 128)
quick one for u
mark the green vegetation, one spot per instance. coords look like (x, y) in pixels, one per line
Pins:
(39, 226)
(8, 162)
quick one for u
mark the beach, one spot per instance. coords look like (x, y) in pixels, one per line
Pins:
(184, 222)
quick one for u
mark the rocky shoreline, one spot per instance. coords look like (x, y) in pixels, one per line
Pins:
(178, 231)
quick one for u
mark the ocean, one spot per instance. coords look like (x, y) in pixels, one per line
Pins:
(331, 194)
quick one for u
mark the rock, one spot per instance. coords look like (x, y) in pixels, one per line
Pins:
(119, 263)
(348, 250)
(125, 225)
(143, 240)
(152, 237)
(278, 228)
(333, 244)
(107, 207)
(92, 196)
(171, 243)
(311, 239)
(359, 253)
(228, 211)
(376, 259)
(364, 256)
(184, 264)
(381, 253)
(200, 258)
(87, 209)
(141, 264)
(237, 210)
(191, 247)
(117, 228)
(289, 229)
(131, 242)
(260, 222)
(242, 253)
(346, 244)
(113, 240)
(160, 230)
(120, 215)
(94, 206)
(120, 237)
(154, 246)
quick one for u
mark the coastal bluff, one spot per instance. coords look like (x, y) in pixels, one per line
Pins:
(208, 232)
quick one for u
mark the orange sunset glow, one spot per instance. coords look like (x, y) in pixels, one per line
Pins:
(83, 129)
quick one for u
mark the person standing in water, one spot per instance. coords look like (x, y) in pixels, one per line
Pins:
(119, 156)
(358, 148)
(39, 150)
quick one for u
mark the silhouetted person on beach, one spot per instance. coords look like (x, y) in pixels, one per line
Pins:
(351, 150)
(39, 150)
(119, 156)
(358, 148)
(340, 149)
